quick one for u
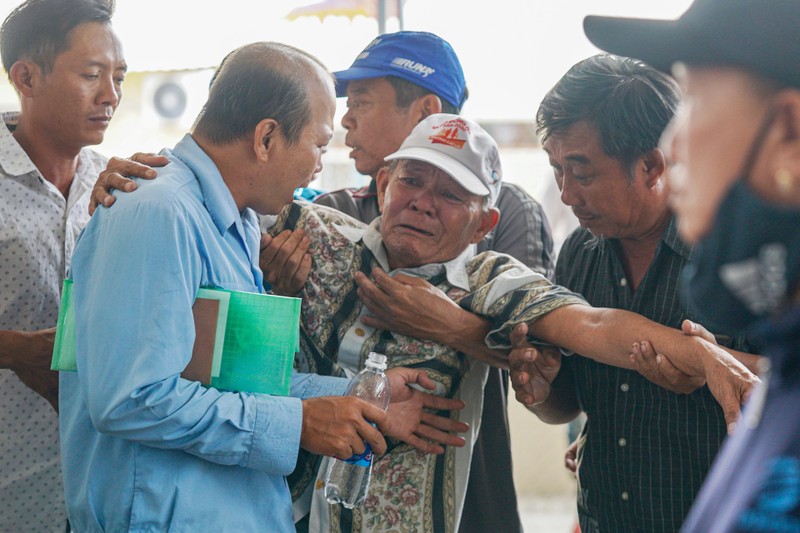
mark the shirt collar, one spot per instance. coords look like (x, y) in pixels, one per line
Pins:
(674, 241)
(13, 159)
(216, 195)
(670, 237)
(455, 269)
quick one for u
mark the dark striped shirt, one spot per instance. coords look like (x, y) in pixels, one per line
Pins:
(644, 450)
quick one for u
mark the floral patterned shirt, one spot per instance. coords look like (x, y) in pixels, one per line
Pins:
(409, 491)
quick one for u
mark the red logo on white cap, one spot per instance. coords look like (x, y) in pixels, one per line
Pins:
(449, 133)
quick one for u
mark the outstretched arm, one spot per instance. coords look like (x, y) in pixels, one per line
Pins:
(751, 361)
(607, 336)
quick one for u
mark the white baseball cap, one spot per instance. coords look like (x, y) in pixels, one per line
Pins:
(459, 147)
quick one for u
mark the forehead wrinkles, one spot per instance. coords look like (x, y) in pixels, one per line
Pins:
(425, 170)
(416, 167)
(422, 169)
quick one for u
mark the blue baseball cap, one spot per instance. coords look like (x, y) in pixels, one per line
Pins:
(422, 58)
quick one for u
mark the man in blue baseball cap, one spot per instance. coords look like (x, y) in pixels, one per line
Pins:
(397, 81)
(421, 58)
(394, 83)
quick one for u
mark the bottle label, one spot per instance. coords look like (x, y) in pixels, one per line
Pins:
(363, 459)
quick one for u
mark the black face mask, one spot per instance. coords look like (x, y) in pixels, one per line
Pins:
(745, 268)
(749, 263)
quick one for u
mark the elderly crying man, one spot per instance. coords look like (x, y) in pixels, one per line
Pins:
(437, 200)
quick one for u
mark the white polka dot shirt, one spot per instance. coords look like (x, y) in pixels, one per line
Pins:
(38, 229)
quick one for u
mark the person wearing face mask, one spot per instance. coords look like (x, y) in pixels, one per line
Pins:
(735, 187)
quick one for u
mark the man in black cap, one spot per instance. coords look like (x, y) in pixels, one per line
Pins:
(737, 194)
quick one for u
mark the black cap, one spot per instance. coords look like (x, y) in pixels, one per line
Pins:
(761, 36)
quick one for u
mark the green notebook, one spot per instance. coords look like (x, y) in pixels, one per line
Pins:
(244, 341)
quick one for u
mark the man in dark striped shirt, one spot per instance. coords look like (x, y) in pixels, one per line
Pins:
(644, 450)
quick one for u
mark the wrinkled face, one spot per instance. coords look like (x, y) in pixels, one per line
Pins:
(375, 126)
(75, 101)
(598, 188)
(708, 141)
(294, 165)
(427, 216)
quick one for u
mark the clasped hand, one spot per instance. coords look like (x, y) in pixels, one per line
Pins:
(532, 369)
(730, 379)
(339, 426)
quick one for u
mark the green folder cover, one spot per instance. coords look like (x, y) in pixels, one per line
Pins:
(250, 343)
(64, 345)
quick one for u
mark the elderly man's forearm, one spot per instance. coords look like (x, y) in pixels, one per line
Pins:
(751, 361)
(607, 335)
(469, 337)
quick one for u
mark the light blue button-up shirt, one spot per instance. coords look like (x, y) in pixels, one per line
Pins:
(144, 449)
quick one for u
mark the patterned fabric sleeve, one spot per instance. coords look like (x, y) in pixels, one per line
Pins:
(510, 293)
(299, 214)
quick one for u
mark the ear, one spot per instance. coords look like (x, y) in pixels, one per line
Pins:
(23, 75)
(489, 220)
(787, 117)
(653, 164)
(781, 152)
(427, 105)
(264, 136)
(382, 183)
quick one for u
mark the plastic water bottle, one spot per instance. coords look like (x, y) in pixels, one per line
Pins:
(347, 481)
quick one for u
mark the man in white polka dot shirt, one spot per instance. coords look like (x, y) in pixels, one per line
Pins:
(67, 67)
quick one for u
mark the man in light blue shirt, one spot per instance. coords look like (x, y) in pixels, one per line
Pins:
(143, 448)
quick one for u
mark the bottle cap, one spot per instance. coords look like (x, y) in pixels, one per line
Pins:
(376, 360)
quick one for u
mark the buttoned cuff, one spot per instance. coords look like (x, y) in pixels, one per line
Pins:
(276, 435)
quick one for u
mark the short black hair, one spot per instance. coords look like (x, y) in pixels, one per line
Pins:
(629, 102)
(254, 82)
(406, 92)
(39, 29)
